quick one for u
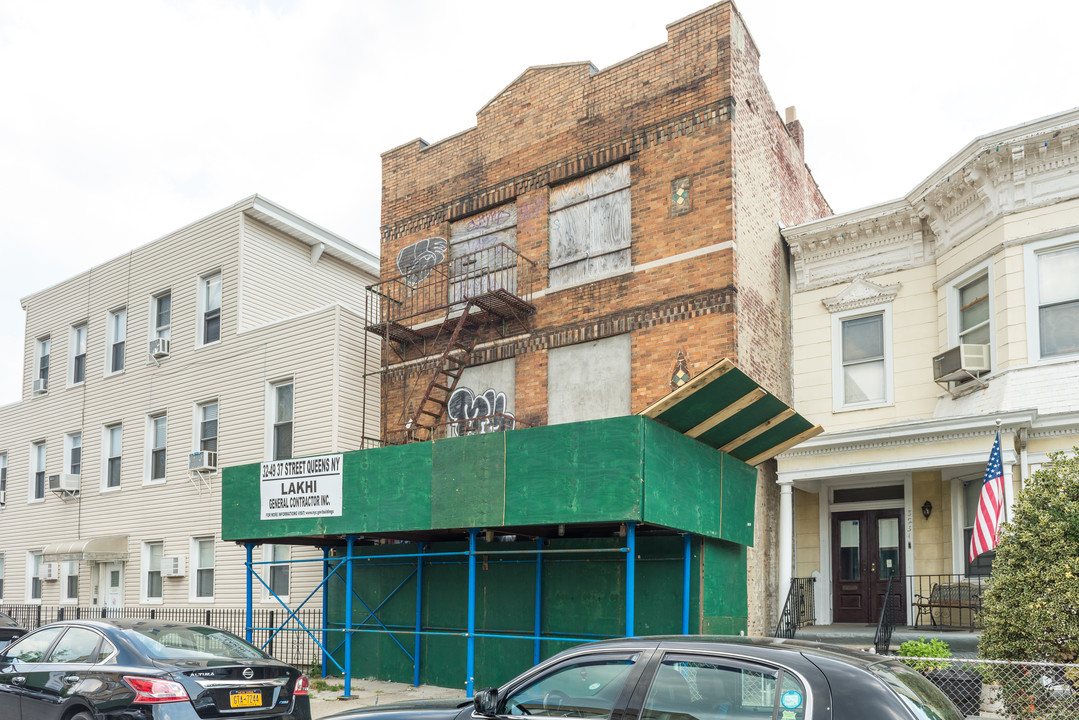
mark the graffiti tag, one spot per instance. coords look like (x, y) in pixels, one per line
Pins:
(477, 414)
(415, 261)
(487, 219)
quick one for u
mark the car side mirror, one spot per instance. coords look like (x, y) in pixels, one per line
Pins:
(485, 702)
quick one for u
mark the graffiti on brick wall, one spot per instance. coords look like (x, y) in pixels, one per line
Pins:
(474, 414)
(415, 261)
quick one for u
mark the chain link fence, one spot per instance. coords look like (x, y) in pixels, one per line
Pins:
(1005, 688)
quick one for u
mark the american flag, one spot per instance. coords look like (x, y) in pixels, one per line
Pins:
(990, 504)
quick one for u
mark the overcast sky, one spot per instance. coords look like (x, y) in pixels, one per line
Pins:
(123, 121)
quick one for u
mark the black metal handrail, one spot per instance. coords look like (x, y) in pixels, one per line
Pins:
(799, 610)
(883, 639)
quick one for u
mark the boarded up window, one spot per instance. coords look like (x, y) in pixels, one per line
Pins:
(590, 228)
(483, 254)
(588, 381)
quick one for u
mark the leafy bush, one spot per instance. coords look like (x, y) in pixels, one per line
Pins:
(1031, 607)
(922, 648)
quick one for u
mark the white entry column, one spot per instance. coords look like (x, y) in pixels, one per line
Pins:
(786, 541)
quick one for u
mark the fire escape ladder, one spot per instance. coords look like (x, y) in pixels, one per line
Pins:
(447, 373)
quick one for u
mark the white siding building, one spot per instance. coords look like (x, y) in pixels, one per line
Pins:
(239, 337)
(918, 324)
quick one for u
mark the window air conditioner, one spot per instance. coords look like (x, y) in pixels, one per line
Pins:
(204, 460)
(50, 571)
(65, 482)
(41, 385)
(3, 497)
(961, 363)
(159, 348)
(172, 566)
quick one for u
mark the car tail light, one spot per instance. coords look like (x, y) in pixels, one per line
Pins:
(150, 690)
(302, 685)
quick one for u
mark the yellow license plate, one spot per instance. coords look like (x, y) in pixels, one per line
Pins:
(245, 698)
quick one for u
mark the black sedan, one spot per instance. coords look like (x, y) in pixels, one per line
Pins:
(145, 670)
(9, 629)
(697, 678)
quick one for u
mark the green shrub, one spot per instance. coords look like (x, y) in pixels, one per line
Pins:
(922, 648)
(1031, 607)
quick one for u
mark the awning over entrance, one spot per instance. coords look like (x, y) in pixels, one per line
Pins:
(87, 549)
(725, 409)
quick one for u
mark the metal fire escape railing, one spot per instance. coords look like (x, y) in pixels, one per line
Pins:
(431, 319)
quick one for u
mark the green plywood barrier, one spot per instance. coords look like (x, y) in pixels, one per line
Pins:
(678, 468)
(468, 481)
(583, 595)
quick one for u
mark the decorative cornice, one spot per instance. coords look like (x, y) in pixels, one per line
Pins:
(569, 167)
(861, 293)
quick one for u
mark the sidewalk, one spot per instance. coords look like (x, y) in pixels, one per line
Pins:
(371, 692)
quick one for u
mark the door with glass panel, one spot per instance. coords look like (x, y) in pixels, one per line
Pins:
(867, 549)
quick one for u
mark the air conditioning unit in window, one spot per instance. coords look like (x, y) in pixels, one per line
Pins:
(41, 385)
(962, 362)
(3, 498)
(172, 566)
(50, 571)
(65, 482)
(203, 460)
(159, 348)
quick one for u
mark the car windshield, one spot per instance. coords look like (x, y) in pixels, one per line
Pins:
(173, 642)
(921, 696)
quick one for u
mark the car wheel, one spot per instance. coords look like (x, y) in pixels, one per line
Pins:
(81, 715)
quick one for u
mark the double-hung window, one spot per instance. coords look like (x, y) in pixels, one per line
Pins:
(162, 316)
(152, 553)
(202, 551)
(158, 434)
(117, 336)
(73, 453)
(3, 482)
(210, 308)
(863, 363)
(114, 450)
(37, 471)
(78, 354)
(1, 577)
(41, 375)
(973, 299)
(33, 576)
(1054, 292)
(69, 582)
(207, 429)
(281, 430)
(278, 580)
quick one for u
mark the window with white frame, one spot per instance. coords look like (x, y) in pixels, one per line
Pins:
(281, 397)
(69, 582)
(862, 342)
(152, 552)
(114, 451)
(117, 336)
(1054, 292)
(33, 576)
(202, 554)
(41, 364)
(37, 470)
(2, 570)
(78, 353)
(210, 308)
(3, 479)
(158, 434)
(73, 453)
(590, 228)
(277, 575)
(207, 426)
(983, 564)
(973, 311)
(162, 316)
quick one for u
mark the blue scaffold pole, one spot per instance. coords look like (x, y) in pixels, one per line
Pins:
(325, 609)
(687, 558)
(471, 657)
(419, 616)
(631, 569)
(348, 618)
(248, 634)
(538, 627)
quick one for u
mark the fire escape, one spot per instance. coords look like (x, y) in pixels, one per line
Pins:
(429, 322)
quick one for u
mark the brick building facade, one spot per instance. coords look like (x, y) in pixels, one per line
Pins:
(642, 205)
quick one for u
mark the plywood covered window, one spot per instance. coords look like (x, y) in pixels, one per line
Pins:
(590, 228)
(483, 254)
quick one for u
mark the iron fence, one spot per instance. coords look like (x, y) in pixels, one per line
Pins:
(1016, 690)
(289, 644)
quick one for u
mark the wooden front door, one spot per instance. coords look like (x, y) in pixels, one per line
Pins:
(867, 549)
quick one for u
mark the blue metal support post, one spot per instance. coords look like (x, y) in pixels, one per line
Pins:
(687, 558)
(631, 568)
(348, 617)
(470, 668)
(419, 615)
(248, 634)
(325, 609)
(539, 601)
